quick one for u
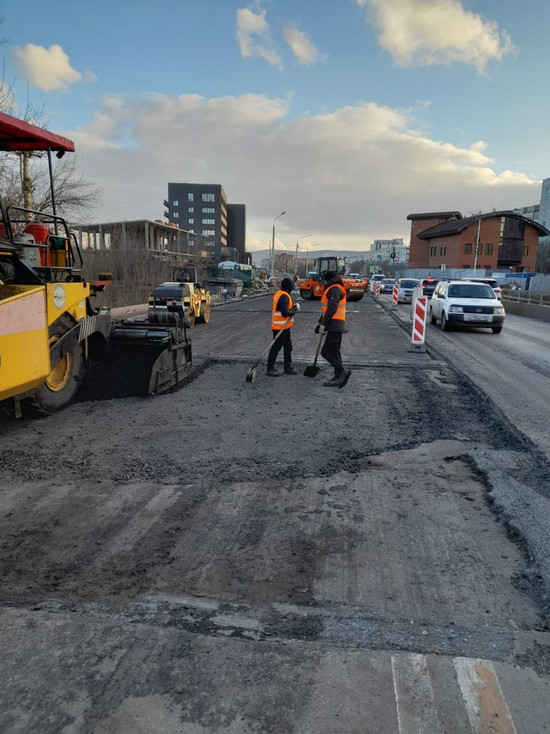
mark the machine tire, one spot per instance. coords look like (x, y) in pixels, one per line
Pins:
(190, 320)
(60, 386)
(432, 317)
(306, 293)
(444, 323)
(496, 329)
(204, 317)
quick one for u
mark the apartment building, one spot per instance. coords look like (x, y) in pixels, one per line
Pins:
(200, 209)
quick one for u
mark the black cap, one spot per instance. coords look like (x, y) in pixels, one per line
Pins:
(329, 275)
(287, 284)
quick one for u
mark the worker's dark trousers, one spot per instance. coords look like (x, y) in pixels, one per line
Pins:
(283, 341)
(331, 351)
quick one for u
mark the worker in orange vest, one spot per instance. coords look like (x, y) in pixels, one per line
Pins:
(333, 322)
(282, 309)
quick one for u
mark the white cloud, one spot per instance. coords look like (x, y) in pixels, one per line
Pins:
(254, 36)
(302, 47)
(428, 32)
(348, 176)
(49, 69)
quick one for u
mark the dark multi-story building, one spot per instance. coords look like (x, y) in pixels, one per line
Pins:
(200, 209)
(236, 232)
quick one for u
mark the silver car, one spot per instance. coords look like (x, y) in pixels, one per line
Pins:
(406, 287)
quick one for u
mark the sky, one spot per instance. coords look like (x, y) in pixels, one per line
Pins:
(347, 115)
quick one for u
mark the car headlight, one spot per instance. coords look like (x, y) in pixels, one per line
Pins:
(456, 309)
(499, 310)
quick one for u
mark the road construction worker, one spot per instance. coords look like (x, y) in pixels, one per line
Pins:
(282, 309)
(333, 322)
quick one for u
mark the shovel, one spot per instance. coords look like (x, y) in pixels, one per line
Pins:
(251, 374)
(312, 369)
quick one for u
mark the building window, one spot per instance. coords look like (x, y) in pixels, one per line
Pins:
(488, 249)
(433, 250)
(191, 243)
(209, 221)
(465, 267)
(176, 215)
(209, 197)
(191, 221)
(442, 250)
(209, 232)
(191, 209)
(468, 248)
(479, 248)
(525, 252)
(175, 203)
(190, 196)
(208, 210)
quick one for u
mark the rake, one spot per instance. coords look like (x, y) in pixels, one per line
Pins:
(251, 374)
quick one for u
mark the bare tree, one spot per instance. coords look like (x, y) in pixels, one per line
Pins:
(24, 178)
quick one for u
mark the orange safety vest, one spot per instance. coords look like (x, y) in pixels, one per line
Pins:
(340, 314)
(277, 319)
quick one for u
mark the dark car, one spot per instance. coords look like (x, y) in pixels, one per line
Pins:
(386, 285)
(428, 286)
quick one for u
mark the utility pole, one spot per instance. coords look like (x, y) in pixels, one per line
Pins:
(273, 245)
(477, 244)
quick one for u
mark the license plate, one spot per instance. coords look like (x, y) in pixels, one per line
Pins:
(477, 317)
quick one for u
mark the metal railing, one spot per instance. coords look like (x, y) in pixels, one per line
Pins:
(537, 299)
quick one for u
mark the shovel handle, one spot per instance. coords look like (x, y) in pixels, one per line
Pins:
(318, 349)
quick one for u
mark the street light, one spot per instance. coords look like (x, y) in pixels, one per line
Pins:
(273, 245)
(296, 256)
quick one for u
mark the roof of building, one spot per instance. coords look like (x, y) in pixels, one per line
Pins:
(454, 226)
(435, 215)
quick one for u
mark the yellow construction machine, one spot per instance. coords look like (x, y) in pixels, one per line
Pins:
(49, 330)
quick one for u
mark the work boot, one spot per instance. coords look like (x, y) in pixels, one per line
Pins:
(290, 371)
(272, 372)
(344, 377)
(332, 383)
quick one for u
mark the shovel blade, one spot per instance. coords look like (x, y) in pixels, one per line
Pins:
(311, 370)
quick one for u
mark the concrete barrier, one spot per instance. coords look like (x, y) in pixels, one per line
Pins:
(530, 310)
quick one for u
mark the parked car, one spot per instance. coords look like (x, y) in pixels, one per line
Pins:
(465, 303)
(386, 285)
(428, 286)
(493, 282)
(406, 287)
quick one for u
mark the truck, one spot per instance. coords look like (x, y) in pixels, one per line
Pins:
(313, 285)
(50, 333)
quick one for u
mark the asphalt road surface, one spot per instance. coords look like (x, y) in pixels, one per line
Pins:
(278, 556)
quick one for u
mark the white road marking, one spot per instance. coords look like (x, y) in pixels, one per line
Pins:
(486, 706)
(416, 712)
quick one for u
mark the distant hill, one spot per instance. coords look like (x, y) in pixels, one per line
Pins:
(259, 255)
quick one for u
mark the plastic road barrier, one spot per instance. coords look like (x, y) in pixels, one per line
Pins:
(376, 288)
(420, 311)
(395, 295)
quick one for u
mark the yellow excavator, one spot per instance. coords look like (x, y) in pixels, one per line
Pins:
(49, 331)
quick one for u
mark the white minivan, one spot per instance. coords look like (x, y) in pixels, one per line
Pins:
(466, 303)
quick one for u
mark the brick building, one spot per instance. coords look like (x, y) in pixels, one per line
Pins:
(501, 240)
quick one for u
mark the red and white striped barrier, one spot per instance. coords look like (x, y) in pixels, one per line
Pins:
(420, 312)
(395, 295)
(376, 288)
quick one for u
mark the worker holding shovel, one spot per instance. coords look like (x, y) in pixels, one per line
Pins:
(333, 322)
(281, 321)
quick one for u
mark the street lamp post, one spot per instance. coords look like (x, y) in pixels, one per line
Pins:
(273, 245)
(296, 256)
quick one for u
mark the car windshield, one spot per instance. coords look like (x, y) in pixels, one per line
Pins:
(469, 290)
(409, 283)
(388, 281)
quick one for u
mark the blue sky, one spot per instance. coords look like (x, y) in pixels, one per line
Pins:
(347, 114)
